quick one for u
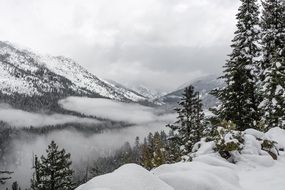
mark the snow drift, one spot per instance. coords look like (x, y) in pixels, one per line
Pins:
(127, 177)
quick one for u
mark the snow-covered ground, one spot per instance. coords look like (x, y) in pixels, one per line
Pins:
(255, 170)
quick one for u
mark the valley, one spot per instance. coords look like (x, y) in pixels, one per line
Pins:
(46, 98)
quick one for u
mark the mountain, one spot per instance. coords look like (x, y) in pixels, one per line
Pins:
(27, 74)
(148, 93)
(203, 85)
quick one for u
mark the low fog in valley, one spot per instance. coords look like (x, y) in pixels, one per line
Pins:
(85, 148)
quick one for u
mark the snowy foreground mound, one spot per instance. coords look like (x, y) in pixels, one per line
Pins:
(255, 169)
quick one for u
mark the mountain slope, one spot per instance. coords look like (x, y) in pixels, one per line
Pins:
(26, 73)
(203, 85)
(150, 94)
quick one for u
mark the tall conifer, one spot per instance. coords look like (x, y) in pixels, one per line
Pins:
(273, 63)
(189, 127)
(240, 97)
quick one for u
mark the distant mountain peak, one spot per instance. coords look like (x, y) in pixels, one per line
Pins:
(204, 85)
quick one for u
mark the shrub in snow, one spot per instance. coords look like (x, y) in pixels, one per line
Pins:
(232, 145)
(228, 142)
(269, 146)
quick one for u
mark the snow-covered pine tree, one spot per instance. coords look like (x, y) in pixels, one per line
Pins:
(273, 63)
(189, 127)
(54, 170)
(240, 97)
(172, 149)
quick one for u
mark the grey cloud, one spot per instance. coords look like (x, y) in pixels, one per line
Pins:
(156, 38)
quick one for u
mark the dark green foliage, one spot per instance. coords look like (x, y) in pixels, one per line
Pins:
(189, 127)
(156, 150)
(227, 141)
(240, 98)
(273, 63)
(53, 171)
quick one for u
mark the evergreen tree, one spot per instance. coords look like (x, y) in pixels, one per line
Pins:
(53, 171)
(146, 155)
(137, 151)
(159, 151)
(172, 149)
(273, 67)
(15, 186)
(189, 127)
(240, 98)
(36, 175)
(125, 154)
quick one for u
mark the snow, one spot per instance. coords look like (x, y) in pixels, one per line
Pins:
(208, 171)
(198, 176)
(278, 135)
(146, 92)
(18, 74)
(10, 84)
(127, 177)
(83, 79)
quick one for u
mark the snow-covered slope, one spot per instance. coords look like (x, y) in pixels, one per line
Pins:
(21, 73)
(208, 171)
(203, 85)
(24, 72)
(127, 177)
(84, 79)
(146, 92)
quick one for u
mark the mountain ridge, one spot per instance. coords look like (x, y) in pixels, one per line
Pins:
(28, 74)
(203, 85)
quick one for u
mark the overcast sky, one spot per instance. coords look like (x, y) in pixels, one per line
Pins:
(157, 43)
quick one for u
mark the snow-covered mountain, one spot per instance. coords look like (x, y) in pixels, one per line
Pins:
(203, 85)
(26, 73)
(148, 93)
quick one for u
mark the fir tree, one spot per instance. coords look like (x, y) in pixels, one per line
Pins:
(15, 186)
(159, 151)
(240, 98)
(137, 151)
(53, 171)
(172, 149)
(189, 127)
(273, 67)
(146, 155)
(36, 175)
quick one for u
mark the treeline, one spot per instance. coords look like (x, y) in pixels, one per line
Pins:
(156, 149)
